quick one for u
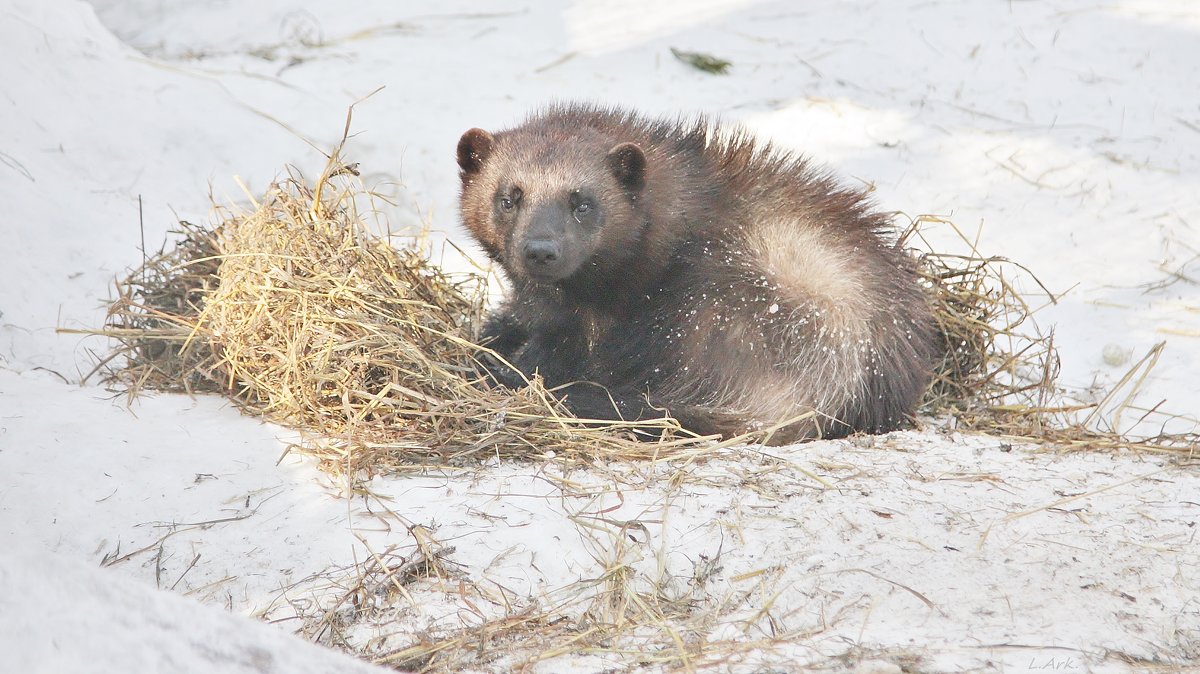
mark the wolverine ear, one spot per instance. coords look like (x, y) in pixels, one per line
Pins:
(628, 164)
(473, 148)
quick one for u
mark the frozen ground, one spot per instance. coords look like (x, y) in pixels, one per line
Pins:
(1069, 130)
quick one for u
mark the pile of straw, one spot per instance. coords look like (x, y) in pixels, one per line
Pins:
(998, 370)
(992, 353)
(302, 316)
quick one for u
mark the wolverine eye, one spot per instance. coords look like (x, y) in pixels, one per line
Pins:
(580, 204)
(509, 201)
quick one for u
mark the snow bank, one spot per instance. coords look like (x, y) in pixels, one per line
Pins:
(60, 615)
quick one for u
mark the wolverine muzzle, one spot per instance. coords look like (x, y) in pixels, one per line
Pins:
(543, 259)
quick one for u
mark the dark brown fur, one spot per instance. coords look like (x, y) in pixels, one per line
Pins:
(706, 275)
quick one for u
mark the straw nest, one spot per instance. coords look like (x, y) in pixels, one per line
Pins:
(296, 311)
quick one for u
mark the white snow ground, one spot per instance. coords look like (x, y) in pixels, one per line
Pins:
(1070, 130)
(89, 620)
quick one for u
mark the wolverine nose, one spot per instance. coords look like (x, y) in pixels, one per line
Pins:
(541, 252)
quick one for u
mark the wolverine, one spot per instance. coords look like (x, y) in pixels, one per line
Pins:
(679, 267)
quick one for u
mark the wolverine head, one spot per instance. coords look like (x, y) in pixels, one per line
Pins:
(550, 204)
